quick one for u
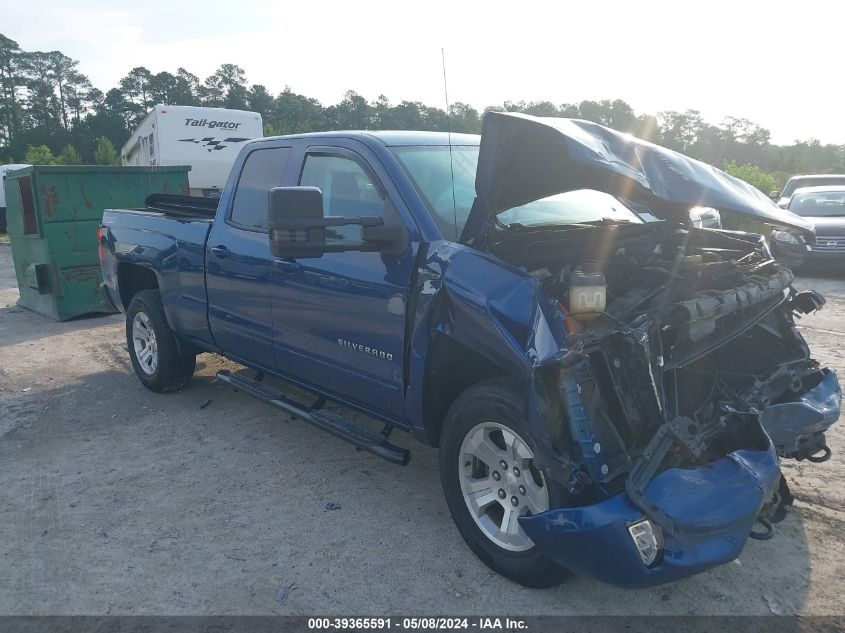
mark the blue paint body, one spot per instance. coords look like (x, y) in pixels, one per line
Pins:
(285, 318)
(715, 507)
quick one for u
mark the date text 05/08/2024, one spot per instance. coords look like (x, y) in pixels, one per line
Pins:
(417, 623)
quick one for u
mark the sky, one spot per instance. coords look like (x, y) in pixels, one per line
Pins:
(779, 64)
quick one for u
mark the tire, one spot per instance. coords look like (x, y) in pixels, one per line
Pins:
(492, 410)
(161, 368)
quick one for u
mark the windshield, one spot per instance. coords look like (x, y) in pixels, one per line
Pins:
(430, 168)
(572, 207)
(818, 204)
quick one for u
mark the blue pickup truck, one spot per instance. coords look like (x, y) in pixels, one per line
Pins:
(611, 388)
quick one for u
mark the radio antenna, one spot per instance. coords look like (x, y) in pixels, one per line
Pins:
(449, 137)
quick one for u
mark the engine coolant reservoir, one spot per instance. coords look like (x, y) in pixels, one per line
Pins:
(587, 292)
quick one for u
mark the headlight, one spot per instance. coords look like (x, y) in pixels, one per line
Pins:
(648, 538)
(785, 237)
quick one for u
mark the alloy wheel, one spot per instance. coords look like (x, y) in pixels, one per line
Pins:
(500, 483)
(144, 341)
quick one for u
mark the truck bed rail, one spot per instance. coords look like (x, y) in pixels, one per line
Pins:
(173, 204)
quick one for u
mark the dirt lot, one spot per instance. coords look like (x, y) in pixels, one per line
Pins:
(116, 500)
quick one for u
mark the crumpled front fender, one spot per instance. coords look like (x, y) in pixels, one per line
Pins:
(499, 313)
(713, 506)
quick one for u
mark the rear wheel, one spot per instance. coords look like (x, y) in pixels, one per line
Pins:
(490, 479)
(152, 345)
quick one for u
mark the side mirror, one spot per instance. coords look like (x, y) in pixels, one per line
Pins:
(774, 195)
(294, 222)
(297, 228)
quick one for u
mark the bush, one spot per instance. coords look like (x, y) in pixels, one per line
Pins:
(753, 175)
(40, 155)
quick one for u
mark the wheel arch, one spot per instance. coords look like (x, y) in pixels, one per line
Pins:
(452, 367)
(132, 279)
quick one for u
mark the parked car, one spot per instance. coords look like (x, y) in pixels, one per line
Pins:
(5, 169)
(610, 389)
(799, 182)
(825, 208)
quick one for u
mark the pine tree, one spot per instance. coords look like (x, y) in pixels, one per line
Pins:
(106, 154)
(70, 156)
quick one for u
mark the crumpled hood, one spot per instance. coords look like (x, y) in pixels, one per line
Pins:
(525, 158)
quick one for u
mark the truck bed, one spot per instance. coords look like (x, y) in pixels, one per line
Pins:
(168, 236)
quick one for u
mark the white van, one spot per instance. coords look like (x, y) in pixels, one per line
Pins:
(4, 169)
(207, 139)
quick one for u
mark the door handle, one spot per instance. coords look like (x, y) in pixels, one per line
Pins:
(287, 265)
(220, 251)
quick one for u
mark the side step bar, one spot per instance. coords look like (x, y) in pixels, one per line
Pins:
(339, 426)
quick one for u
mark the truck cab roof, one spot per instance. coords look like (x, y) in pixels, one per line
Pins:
(390, 138)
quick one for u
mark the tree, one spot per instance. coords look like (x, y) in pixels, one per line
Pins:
(42, 104)
(647, 128)
(680, 130)
(464, 118)
(434, 119)
(40, 155)
(11, 80)
(136, 95)
(106, 154)
(744, 131)
(81, 98)
(162, 87)
(595, 111)
(68, 82)
(352, 113)
(70, 156)
(569, 110)
(382, 115)
(616, 114)
(187, 88)
(408, 115)
(541, 108)
(294, 113)
(114, 104)
(260, 100)
(226, 88)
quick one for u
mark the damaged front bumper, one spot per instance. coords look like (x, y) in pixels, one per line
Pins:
(698, 517)
(797, 427)
(713, 508)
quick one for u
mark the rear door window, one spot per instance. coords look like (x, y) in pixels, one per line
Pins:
(262, 170)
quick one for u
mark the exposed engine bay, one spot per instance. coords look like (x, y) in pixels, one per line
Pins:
(663, 374)
(681, 344)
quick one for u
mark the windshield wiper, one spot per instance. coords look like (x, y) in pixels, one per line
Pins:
(606, 221)
(589, 224)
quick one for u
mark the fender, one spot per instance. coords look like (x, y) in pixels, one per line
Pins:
(502, 315)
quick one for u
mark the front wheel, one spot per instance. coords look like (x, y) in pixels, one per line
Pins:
(152, 345)
(490, 479)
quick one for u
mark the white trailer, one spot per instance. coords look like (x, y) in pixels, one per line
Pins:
(207, 139)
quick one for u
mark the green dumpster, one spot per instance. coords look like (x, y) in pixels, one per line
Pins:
(52, 215)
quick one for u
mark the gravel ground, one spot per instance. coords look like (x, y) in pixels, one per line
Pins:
(116, 500)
